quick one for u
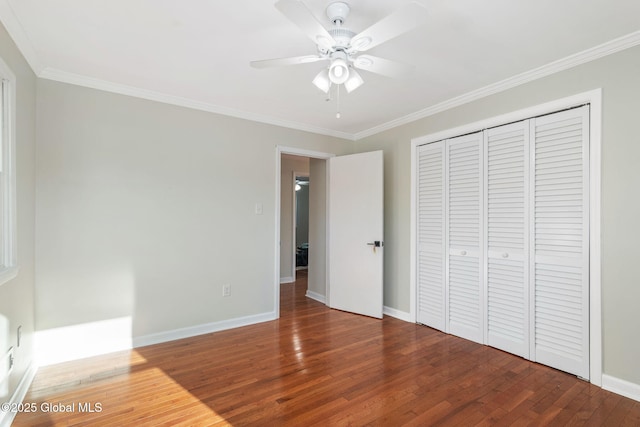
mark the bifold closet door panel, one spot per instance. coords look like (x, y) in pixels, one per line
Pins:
(560, 240)
(431, 235)
(464, 201)
(507, 237)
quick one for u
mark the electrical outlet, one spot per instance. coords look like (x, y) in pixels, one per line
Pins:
(226, 290)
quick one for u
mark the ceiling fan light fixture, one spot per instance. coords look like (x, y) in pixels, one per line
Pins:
(340, 46)
(354, 81)
(338, 71)
(322, 82)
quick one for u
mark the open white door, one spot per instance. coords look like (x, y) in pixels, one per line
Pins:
(356, 233)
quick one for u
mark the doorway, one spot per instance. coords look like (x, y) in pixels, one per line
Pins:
(291, 168)
(338, 260)
(292, 163)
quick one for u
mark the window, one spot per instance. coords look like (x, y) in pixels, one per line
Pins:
(8, 261)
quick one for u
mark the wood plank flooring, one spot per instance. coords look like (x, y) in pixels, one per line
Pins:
(316, 366)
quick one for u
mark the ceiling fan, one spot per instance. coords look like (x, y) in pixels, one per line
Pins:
(342, 47)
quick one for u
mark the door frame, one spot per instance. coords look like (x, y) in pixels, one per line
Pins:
(594, 98)
(280, 150)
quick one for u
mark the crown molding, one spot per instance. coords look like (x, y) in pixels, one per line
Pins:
(608, 48)
(90, 82)
(19, 36)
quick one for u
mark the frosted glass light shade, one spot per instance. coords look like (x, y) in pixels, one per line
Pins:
(354, 81)
(322, 82)
(338, 71)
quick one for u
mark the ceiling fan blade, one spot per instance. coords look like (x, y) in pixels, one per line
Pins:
(382, 66)
(280, 62)
(399, 22)
(300, 15)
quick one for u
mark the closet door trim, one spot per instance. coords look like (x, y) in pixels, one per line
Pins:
(594, 98)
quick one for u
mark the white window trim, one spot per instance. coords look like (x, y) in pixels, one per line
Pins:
(10, 252)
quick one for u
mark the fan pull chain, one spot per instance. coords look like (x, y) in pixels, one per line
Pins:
(338, 101)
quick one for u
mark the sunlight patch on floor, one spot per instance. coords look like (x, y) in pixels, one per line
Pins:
(148, 391)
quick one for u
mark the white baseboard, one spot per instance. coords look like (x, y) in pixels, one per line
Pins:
(61, 344)
(206, 328)
(621, 387)
(6, 417)
(316, 296)
(402, 315)
(287, 280)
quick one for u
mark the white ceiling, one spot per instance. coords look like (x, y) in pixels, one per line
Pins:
(197, 53)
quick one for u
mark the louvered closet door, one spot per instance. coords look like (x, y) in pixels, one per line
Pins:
(464, 290)
(507, 237)
(560, 241)
(431, 233)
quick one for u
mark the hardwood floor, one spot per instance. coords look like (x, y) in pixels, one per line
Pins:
(317, 366)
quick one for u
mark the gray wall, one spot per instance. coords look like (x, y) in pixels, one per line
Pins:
(619, 76)
(288, 165)
(16, 296)
(302, 215)
(144, 210)
(316, 274)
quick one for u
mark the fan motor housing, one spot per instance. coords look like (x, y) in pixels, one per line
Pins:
(342, 36)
